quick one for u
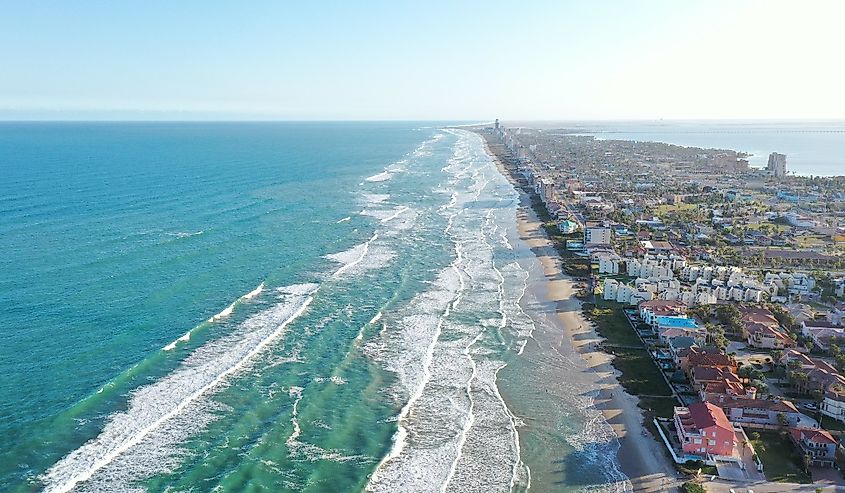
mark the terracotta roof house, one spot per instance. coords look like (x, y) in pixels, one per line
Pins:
(816, 444)
(767, 337)
(759, 315)
(818, 379)
(703, 375)
(711, 359)
(726, 387)
(802, 360)
(683, 355)
(822, 332)
(703, 429)
(744, 410)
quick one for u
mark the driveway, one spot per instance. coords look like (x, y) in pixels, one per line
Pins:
(723, 486)
(735, 347)
(827, 475)
(730, 471)
(750, 472)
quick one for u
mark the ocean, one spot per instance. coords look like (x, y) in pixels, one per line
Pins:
(811, 148)
(277, 307)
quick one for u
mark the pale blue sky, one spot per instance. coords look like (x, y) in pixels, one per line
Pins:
(420, 60)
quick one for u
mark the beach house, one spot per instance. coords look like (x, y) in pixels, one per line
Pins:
(750, 412)
(714, 382)
(704, 357)
(822, 332)
(650, 310)
(817, 445)
(703, 429)
(766, 337)
(668, 327)
(833, 404)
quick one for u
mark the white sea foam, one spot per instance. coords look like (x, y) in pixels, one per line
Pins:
(426, 362)
(297, 393)
(231, 308)
(310, 451)
(396, 214)
(345, 219)
(383, 214)
(455, 431)
(152, 408)
(374, 198)
(362, 257)
(372, 321)
(255, 292)
(223, 314)
(186, 234)
(417, 333)
(352, 257)
(505, 242)
(397, 166)
(383, 176)
(183, 338)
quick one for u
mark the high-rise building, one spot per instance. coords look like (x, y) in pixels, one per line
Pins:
(497, 124)
(597, 235)
(777, 164)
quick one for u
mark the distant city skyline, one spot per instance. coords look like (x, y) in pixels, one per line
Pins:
(470, 61)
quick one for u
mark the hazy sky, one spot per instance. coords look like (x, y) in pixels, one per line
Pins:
(422, 60)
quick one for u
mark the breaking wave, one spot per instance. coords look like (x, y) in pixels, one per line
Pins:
(151, 406)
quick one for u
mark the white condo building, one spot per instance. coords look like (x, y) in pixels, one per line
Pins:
(777, 164)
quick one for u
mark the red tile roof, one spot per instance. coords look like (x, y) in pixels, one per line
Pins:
(758, 315)
(724, 387)
(705, 415)
(812, 435)
(695, 358)
(713, 374)
(729, 402)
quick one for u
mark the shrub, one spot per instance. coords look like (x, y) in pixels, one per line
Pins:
(690, 487)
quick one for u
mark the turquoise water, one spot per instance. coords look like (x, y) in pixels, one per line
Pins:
(272, 307)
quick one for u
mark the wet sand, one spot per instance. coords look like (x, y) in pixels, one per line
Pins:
(640, 456)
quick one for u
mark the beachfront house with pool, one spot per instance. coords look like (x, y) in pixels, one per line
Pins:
(668, 327)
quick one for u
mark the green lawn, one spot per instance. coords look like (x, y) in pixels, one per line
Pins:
(667, 208)
(639, 373)
(781, 460)
(830, 424)
(572, 264)
(658, 407)
(611, 323)
(779, 227)
(808, 241)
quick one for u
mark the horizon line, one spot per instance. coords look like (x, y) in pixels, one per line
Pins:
(415, 120)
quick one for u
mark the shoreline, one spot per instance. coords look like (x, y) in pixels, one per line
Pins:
(639, 455)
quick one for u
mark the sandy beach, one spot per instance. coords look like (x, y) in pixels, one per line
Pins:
(641, 457)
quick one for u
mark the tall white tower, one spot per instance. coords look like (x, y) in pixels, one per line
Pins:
(777, 164)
